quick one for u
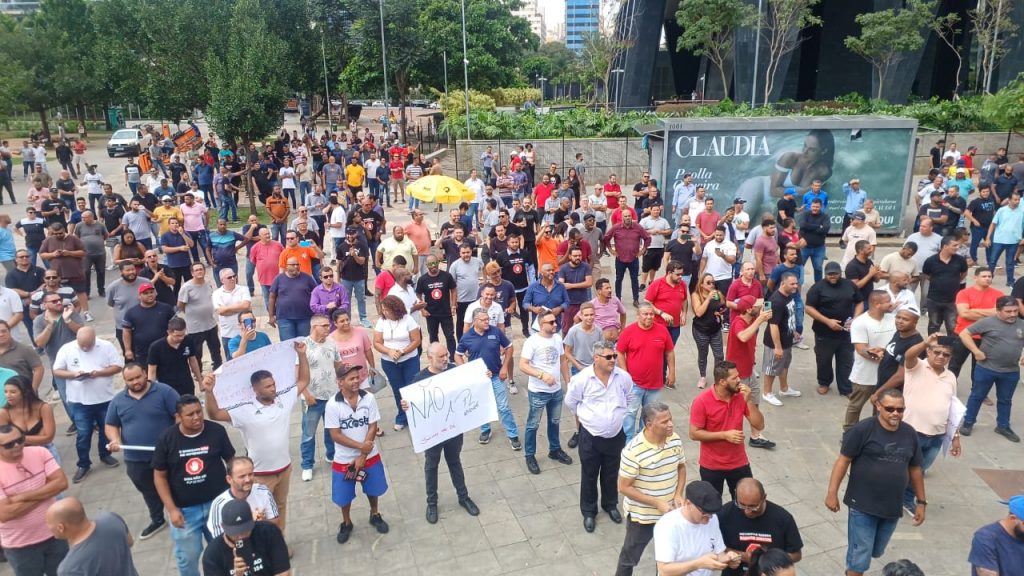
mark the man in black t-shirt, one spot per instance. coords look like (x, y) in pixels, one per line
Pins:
(882, 455)
(189, 472)
(753, 519)
(778, 339)
(979, 215)
(436, 289)
(246, 546)
(681, 249)
(786, 206)
(53, 209)
(890, 369)
(514, 265)
(525, 222)
(144, 323)
(832, 303)
(944, 271)
(172, 360)
(862, 272)
(352, 253)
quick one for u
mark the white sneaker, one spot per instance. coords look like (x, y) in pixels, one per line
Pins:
(801, 345)
(88, 317)
(307, 475)
(512, 389)
(792, 392)
(771, 399)
(702, 382)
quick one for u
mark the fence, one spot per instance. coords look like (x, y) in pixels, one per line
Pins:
(623, 157)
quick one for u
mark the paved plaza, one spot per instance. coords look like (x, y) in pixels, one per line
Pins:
(532, 524)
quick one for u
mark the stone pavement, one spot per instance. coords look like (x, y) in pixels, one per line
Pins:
(532, 524)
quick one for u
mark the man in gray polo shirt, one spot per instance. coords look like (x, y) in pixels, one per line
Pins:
(1002, 340)
(122, 294)
(466, 271)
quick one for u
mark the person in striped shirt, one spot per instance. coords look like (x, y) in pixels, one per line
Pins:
(652, 474)
(242, 487)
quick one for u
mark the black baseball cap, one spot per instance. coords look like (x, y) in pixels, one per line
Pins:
(236, 517)
(704, 496)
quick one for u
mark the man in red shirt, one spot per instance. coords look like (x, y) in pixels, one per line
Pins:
(668, 297)
(741, 349)
(745, 285)
(972, 304)
(644, 347)
(542, 191)
(716, 421)
(613, 192)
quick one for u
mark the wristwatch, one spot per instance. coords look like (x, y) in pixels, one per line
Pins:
(921, 502)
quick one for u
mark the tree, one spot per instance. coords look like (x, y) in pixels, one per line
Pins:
(709, 29)
(247, 89)
(781, 28)
(993, 25)
(597, 58)
(888, 35)
(1007, 105)
(948, 29)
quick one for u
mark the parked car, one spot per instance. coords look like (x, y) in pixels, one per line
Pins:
(435, 105)
(378, 104)
(127, 141)
(419, 103)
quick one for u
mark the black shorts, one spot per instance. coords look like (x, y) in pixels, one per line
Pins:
(652, 259)
(80, 286)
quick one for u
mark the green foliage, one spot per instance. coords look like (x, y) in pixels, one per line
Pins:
(887, 36)
(1006, 107)
(247, 90)
(455, 102)
(512, 96)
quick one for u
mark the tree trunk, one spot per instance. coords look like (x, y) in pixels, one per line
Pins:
(45, 124)
(725, 85)
(247, 181)
(881, 82)
(79, 114)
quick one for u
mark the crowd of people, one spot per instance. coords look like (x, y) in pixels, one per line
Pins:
(537, 248)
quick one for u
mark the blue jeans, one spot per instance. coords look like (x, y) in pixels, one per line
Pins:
(288, 328)
(227, 203)
(357, 293)
(620, 271)
(133, 187)
(208, 196)
(539, 401)
(993, 257)
(61, 385)
(290, 193)
(250, 274)
(473, 208)
(977, 235)
(277, 232)
(414, 203)
(266, 296)
(798, 312)
(1005, 383)
(311, 416)
(33, 254)
(504, 410)
(188, 541)
(816, 255)
(304, 189)
(867, 537)
(638, 398)
(400, 375)
(930, 448)
(87, 416)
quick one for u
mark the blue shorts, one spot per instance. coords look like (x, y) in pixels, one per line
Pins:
(343, 492)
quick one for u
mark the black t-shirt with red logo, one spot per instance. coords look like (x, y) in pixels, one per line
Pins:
(513, 268)
(436, 292)
(195, 466)
(373, 222)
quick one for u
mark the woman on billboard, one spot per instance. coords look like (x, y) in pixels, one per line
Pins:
(793, 169)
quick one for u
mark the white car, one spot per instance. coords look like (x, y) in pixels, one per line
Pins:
(125, 141)
(377, 104)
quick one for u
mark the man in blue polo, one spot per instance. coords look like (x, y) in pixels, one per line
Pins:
(136, 416)
(490, 344)
(546, 295)
(224, 247)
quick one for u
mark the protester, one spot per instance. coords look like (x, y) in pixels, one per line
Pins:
(753, 520)
(540, 359)
(246, 544)
(869, 333)
(229, 300)
(98, 547)
(489, 343)
(742, 351)
(173, 359)
(397, 338)
(708, 309)
(646, 352)
(324, 360)
(999, 360)
(144, 323)
(242, 486)
(998, 548)
(688, 540)
(195, 299)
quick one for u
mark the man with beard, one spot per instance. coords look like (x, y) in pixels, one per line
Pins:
(437, 290)
(122, 294)
(144, 324)
(242, 486)
(514, 267)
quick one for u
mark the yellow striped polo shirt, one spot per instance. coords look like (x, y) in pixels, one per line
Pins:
(655, 472)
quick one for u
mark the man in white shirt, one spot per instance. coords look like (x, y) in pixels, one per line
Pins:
(687, 540)
(242, 487)
(229, 301)
(857, 231)
(265, 424)
(900, 297)
(717, 258)
(476, 185)
(659, 229)
(870, 333)
(696, 204)
(540, 359)
(371, 166)
(495, 313)
(88, 365)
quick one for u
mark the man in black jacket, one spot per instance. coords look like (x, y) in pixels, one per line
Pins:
(814, 229)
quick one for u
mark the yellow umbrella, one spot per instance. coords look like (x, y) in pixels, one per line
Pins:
(440, 189)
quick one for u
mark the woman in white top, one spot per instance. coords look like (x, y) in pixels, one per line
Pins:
(397, 338)
(287, 176)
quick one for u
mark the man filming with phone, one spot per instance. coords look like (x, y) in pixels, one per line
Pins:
(247, 546)
(249, 339)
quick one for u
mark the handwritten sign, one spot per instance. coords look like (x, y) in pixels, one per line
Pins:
(449, 404)
(234, 388)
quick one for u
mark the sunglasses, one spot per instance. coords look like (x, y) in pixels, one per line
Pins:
(941, 353)
(232, 277)
(13, 443)
(608, 357)
(50, 277)
(748, 507)
(891, 409)
(548, 322)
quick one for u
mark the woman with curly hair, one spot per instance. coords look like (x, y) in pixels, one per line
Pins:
(397, 338)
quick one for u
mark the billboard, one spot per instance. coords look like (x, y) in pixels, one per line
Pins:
(758, 164)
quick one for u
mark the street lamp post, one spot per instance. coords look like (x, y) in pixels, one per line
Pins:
(618, 86)
(757, 52)
(465, 68)
(327, 90)
(384, 60)
(542, 81)
(444, 58)
(702, 90)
